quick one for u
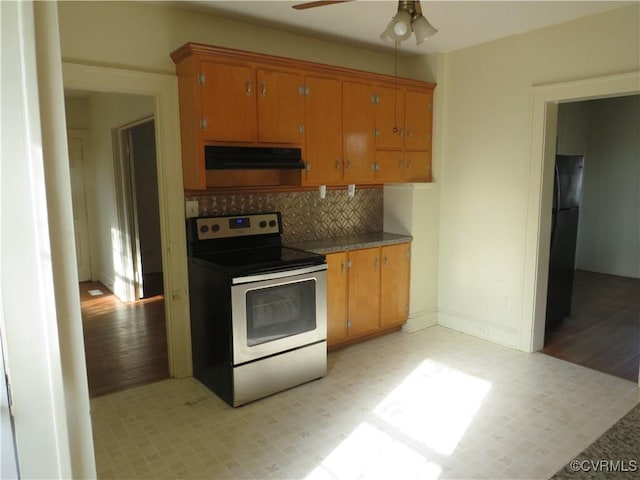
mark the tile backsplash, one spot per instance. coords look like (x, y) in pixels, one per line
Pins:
(305, 216)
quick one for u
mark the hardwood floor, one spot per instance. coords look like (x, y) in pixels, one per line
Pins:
(603, 331)
(125, 343)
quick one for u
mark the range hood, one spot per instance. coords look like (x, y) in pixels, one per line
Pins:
(244, 158)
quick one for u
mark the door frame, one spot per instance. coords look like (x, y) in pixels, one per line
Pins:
(83, 135)
(543, 146)
(164, 89)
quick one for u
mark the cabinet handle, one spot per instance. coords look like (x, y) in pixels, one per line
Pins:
(337, 165)
(348, 165)
(410, 133)
(384, 260)
(248, 90)
(263, 88)
(375, 263)
(409, 164)
(341, 268)
(400, 163)
(402, 132)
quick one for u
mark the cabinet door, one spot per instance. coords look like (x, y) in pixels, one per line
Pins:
(418, 119)
(418, 166)
(336, 297)
(391, 166)
(280, 106)
(358, 131)
(364, 291)
(323, 130)
(228, 102)
(389, 117)
(394, 279)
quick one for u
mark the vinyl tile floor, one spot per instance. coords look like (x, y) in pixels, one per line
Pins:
(434, 404)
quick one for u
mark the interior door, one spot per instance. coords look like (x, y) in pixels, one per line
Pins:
(145, 200)
(79, 204)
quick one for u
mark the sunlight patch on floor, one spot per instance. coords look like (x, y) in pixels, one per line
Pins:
(369, 452)
(411, 431)
(434, 405)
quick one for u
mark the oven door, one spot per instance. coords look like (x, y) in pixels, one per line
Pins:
(278, 311)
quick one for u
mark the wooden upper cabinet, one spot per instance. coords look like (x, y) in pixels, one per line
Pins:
(390, 117)
(404, 124)
(418, 120)
(358, 131)
(227, 92)
(390, 166)
(346, 121)
(323, 130)
(280, 106)
(418, 166)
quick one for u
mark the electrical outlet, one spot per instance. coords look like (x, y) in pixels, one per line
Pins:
(191, 207)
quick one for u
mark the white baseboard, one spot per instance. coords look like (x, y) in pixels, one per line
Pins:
(479, 328)
(419, 320)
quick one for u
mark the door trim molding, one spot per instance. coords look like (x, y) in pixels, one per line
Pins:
(164, 89)
(543, 144)
(83, 134)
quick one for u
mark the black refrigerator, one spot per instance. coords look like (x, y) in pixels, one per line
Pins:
(564, 232)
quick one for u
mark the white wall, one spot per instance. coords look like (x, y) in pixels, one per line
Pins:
(77, 112)
(28, 317)
(109, 34)
(486, 160)
(108, 111)
(609, 228)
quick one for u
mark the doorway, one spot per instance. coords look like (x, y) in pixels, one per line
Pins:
(123, 316)
(602, 331)
(137, 191)
(546, 99)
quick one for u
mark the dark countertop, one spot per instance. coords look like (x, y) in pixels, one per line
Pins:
(351, 242)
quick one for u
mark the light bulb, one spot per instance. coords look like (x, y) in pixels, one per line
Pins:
(400, 29)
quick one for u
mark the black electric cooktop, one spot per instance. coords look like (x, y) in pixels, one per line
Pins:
(260, 260)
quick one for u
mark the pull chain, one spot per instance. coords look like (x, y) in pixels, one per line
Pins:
(395, 90)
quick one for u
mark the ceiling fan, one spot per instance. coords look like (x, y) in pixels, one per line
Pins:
(407, 19)
(304, 6)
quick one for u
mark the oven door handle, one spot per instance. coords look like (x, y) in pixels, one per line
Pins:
(279, 274)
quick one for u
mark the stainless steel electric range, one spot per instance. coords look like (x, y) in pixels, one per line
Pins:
(258, 309)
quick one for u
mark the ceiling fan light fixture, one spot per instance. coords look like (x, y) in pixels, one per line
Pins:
(387, 38)
(408, 19)
(422, 29)
(399, 28)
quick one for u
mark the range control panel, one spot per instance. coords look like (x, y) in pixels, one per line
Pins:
(237, 226)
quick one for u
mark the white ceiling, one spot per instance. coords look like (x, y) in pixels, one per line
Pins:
(359, 23)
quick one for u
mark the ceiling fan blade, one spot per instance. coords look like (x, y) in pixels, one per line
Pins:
(321, 3)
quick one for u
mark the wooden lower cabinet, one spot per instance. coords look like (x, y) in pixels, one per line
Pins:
(394, 279)
(363, 304)
(367, 292)
(336, 297)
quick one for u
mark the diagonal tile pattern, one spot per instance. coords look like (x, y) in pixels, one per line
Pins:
(431, 404)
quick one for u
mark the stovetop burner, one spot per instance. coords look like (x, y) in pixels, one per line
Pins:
(260, 260)
(245, 244)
